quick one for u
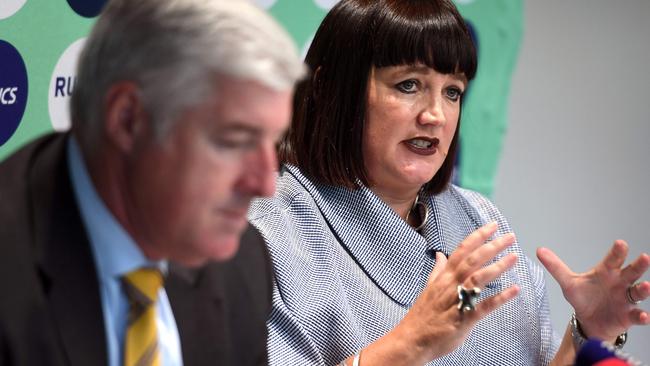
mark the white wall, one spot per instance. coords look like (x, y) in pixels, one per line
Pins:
(575, 169)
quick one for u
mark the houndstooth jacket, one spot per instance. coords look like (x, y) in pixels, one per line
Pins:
(347, 269)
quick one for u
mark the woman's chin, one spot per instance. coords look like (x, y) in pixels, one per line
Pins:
(420, 176)
(410, 183)
(404, 178)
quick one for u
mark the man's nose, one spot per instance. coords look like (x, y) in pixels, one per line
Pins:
(261, 172)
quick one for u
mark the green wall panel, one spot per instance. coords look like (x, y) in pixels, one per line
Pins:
(41, 31)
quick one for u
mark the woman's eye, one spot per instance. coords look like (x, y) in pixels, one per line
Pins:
(454, 93)
(408, 86)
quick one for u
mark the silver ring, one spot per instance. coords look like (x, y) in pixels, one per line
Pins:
(628, 295)
(467, 298)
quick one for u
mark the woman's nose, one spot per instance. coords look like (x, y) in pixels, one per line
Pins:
(432, 115)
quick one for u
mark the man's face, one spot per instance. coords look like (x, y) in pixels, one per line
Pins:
(190, 190)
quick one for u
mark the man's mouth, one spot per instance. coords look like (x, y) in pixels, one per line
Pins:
(234, 212)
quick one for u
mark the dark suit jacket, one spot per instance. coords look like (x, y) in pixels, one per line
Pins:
(50, 307)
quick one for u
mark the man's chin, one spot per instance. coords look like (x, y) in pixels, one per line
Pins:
(215, 250)
(226, 250)
(226, 246)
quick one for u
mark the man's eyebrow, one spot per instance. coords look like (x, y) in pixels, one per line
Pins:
(240, 127)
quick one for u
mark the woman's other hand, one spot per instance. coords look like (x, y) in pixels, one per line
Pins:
(434, 326)
(599, 296)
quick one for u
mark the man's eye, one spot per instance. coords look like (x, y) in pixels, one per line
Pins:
(235, 144)
(454, 93)
(407, 86)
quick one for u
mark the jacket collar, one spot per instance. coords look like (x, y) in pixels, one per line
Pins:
(390, 251)
(383, 244)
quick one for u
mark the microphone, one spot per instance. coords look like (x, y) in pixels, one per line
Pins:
(598, 353)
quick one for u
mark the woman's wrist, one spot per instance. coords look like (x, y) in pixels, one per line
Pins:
(353, 360)
(579, 337)
(397, 347)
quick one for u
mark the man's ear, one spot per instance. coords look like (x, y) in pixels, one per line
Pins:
(124, 115)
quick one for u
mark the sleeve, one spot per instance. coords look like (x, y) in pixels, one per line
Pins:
(548, 340)
(289, 343)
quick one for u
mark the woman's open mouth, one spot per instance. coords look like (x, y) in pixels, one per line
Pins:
(422, 145)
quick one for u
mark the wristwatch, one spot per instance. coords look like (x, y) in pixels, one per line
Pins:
(579, 337)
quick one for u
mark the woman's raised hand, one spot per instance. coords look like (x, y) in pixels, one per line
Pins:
(604, 298)
(435, 326)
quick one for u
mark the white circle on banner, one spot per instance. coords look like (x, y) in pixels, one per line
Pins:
(266, 4)
(10, 7)
(62, 84)
(326, 4)
(464, 2)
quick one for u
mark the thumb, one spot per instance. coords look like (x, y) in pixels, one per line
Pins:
(441, 263)
(555, 266)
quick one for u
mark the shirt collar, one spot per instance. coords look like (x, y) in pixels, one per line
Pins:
(365, 226)
(115, 251)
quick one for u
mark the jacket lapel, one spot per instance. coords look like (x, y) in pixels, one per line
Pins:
(388, 250)
(221, 308)
(65, 258)
(197, 302)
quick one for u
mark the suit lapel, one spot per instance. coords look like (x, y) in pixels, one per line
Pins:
(65, 258)
(221, 308)
(196, 298)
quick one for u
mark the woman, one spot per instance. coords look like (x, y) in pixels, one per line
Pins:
(365, 227)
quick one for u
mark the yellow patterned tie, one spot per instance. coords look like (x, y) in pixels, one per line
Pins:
(141, 341)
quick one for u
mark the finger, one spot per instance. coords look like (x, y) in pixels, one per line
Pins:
(492, 303)
(636, 269)
(472, 241)
(616, 255)
(484, 275)
(554, 265)
(639, 317)
(640, 291)
(482, 255)
(441, 263)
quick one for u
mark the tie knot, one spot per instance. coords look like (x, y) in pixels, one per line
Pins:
(142, 285)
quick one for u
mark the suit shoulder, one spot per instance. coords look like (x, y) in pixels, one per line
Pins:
(249, 269)
(17, 172)
(252, 249)
(18, 163)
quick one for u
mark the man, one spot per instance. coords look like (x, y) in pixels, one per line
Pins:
(176, 111)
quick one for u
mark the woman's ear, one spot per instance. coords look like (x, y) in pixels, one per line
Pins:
(124, 116)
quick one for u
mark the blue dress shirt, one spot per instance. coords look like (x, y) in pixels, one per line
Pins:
(116, 254)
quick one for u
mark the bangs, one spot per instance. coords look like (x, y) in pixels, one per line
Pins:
(424, 32)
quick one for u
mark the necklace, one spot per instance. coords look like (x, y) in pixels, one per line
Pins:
(421, 210)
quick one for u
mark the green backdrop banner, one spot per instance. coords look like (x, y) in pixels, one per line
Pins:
(498, 26)
(46, 37)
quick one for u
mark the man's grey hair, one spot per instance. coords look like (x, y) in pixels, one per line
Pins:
(173, 50)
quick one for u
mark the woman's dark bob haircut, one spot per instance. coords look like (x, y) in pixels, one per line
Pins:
(325, 137)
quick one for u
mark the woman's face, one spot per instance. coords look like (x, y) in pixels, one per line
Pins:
(412, 114)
